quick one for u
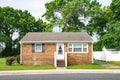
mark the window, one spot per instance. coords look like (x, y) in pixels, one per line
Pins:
(85, 47)
(78, 47)
(70, 48)
(60, 51)
(38, 47)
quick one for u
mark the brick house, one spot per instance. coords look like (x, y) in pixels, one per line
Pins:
(56, 48)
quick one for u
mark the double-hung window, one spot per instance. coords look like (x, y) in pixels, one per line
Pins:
(38, 47)
(85, 47)
(78, 47)
(70, 47)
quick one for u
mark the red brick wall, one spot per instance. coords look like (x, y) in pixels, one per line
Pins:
(47, 57)
(81, 58)
(38, 58)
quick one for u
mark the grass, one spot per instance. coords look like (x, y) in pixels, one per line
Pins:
(16, 66)
(86, 66)
(114, 63)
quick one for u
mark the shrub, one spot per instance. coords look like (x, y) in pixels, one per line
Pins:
(10, 60)
(18, 59)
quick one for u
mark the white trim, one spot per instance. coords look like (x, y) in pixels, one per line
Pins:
(66, 63)
(87, 48)
(51, 41)
(77, 52)
(20, 53)
(55, 60)
(73, 47)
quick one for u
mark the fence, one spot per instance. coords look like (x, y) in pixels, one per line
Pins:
(107, 55)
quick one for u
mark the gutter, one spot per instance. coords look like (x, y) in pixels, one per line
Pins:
(52, 41)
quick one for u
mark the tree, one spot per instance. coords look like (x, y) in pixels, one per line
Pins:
(112, 36)
(7, 27)
(73, 13)
(14, 20)
(97, 46)
(107, 26)
(97, 24)
(41, 26)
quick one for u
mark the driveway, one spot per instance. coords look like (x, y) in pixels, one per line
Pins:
(108, 66)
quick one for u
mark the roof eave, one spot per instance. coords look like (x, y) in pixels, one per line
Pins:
(21, 42)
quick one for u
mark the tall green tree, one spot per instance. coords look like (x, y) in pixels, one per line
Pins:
(112, 36)
(107, 25)
(41, 26)
(7, 27)
(72, 13)
(98, 22)
(14, 20)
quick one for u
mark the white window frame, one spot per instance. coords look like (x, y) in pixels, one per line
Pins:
(77, 47)
(40, 50)
(85, 47)
(73, 48)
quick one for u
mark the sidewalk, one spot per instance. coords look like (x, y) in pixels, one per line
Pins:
(60, 71)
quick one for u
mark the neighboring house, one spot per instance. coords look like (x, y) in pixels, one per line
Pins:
(108, 49)
(56, 48)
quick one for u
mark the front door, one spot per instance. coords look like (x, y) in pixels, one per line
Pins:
(60, 51)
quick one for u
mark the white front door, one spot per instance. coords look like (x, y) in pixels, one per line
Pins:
(60, 51)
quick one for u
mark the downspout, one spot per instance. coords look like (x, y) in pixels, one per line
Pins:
(92, 54)
(65, 59)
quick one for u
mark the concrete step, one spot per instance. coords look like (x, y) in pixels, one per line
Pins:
(60, 63)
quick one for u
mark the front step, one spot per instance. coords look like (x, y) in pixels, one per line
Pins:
(60, 63)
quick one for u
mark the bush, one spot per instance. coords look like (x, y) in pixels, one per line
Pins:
(10, 60)
(18, 59)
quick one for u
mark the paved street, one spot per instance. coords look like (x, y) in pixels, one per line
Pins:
(78, 76)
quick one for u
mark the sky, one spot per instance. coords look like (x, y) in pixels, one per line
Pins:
(37, 8)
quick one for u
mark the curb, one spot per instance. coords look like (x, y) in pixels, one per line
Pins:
(84, 71)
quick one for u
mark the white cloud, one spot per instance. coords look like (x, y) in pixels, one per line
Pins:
(35, 7)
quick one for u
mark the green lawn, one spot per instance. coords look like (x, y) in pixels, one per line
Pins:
(86, 66)
(16, 66)
(114, 62)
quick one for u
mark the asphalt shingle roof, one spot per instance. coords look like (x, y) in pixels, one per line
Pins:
(56, 36)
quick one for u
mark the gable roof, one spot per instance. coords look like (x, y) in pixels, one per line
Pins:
(56, 37)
